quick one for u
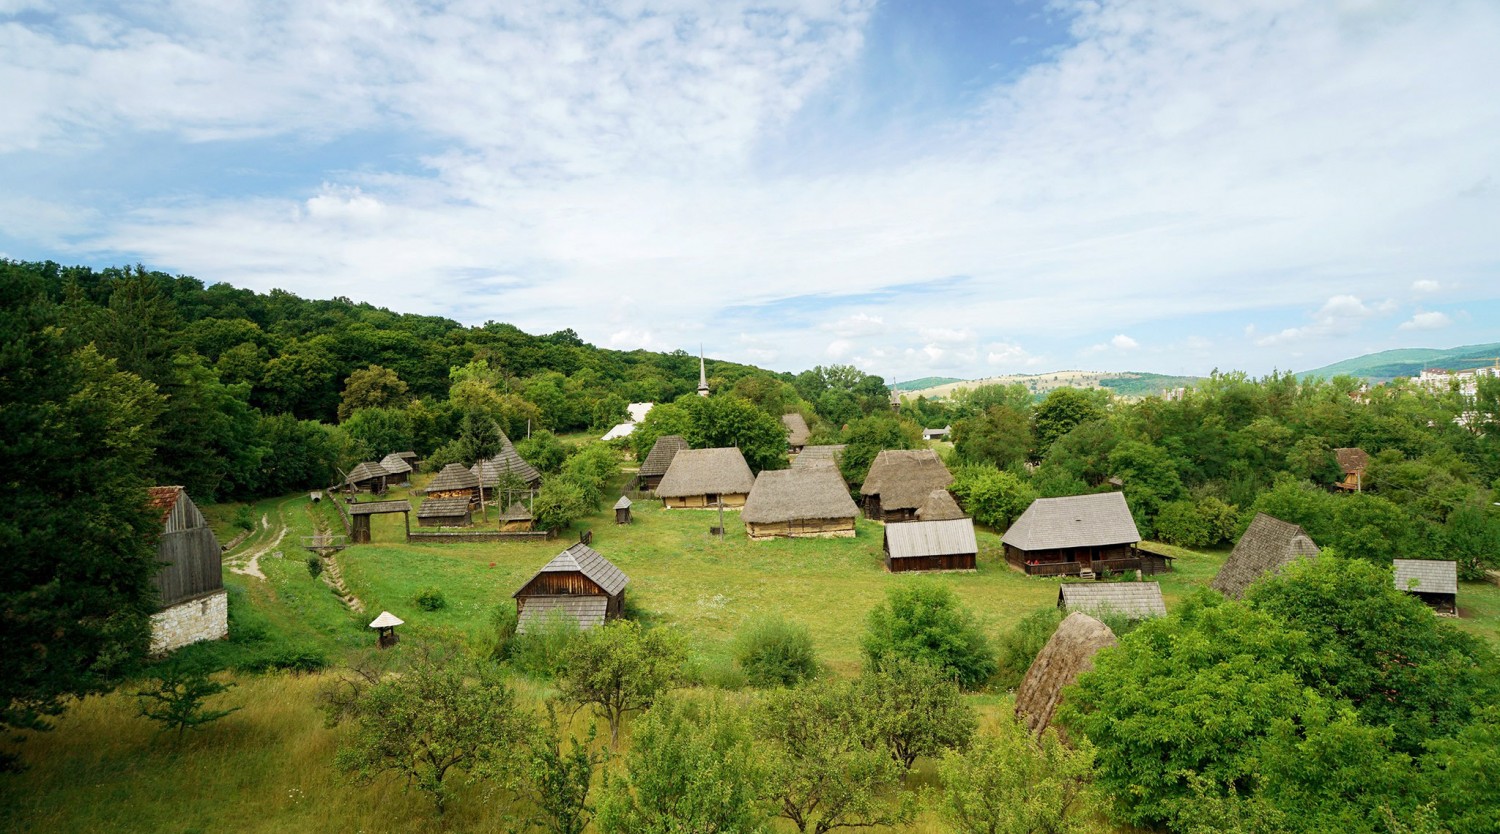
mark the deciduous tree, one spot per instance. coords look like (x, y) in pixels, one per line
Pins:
(620, 667)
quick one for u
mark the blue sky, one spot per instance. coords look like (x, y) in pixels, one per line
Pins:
(959, 189)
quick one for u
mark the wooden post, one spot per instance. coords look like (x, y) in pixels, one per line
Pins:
(721, 516)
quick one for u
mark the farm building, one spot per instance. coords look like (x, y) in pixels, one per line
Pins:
(445, 512)
(1267, 545)
(192, 603)
(359, 517)
(516, 519)
(638, 411)
(659, 459)
(937, 434)
(619, 431)
(578, 582)
(796, 431)
(455, 481)
(701, 478)
(398, 471)
(899, 481)
(817, 455)
(948, 544)
(368, 477)
(411, 458)
(491, 472)
(622, 510)
(1352, 462)
(1068, 654)
(1131, 600)
(799, 503)
(939, 506)
(1078, 535)
(1434, 581)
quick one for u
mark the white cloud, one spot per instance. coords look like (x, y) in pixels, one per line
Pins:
(1010, 355)
(1339, 315)
(839, 348)
(629, 339)
(1123, 342)
(858, 324)
(946, 335)
(1425, 286)
(1426, 321)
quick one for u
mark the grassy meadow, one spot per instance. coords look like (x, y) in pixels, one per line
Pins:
(269, 766)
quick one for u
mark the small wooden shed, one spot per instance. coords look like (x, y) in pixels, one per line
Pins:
(398, 471)
(445, 512)
(192, 604)
(1352, 462)
(797, 431)
(516, 519)
(659, 460)
(799, 503)
(455, 481)
(947, 544)
(701, 478)
(1267, 545)
(359, 517)
(622, 510)
(1132, 600)
(578, 582)
(1434, 581)
(1078, 535)
(899, 481)
(368, 477)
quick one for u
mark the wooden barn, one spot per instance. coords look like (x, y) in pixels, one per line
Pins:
(659, 459)
(578, 582)
(516, 519)
(948, 544)
(445, 512)
(1079, 535)
(937, 434)
(192, 603)
(367, 477)
(359, 517)
(939, 506)
(492, 472)
(899, 481)
(398, 471)
(796, 431)
(411, 458)
(1352, 462)
(799, 503)
(1131, 600)
(817, 456)
(1268, 544)
(701, 478)
(455, 481)
(622, 510)
(1434, 581)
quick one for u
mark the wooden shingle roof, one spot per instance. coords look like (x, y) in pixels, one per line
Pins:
(796, 429)
(1426, 576)
(516, 512)
(903, 478)
(1134, 600)
(706, 472)
(1352, 459)
(817, 455)
(663, 450)
(1074, 521)
(939, 506)
(1267, 545)
(583, 559)
(791, 494)
(624, 503)
(394, 464)
(443, 507)
(587, 611)
(489, 471)
(455, 476)
(914, 539)
(366, 471)
(380, 507)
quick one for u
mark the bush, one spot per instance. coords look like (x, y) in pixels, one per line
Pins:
(296, 659)
(430, 599)
(923, 620)
(774, 652)
(504, 623)
(540, 651)
(314, 567)
(244, 518)
(1020, 646)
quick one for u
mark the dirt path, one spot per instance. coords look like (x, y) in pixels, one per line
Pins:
(248, 563)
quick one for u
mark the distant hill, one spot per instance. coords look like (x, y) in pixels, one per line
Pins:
(1124, 383)
(1389, 364)
(924, 382)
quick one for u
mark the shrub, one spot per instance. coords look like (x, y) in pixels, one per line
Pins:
(298, 659)
(540, 651)
(1020, 646)
(244, 518)
(503, 620)
(314, 567)
(430, 599)
(774, 652)
(923, 620)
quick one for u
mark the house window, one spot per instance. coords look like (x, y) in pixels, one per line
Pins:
(712, 498)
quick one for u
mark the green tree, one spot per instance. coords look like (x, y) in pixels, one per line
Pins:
(925, 621)
(663, 418)
(993, 497)
(377, 432)
(542, 450)
(730, 421)
(867, 436)
(619, 667)
(999, 435)
(772, 651)
(559, 774)
(915, 708)
(176, 699)
(372, 387)
(479, 439)
(1010, 783)
(560, 502)
(1472, 536)
(1462, 774)
(1062, 410)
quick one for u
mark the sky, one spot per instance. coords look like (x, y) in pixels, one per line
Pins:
(956, 189)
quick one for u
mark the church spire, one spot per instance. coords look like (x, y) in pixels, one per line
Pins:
(702, 374)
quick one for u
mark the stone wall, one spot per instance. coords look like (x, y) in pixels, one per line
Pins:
(203, 618)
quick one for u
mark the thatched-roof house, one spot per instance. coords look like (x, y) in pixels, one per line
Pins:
(491, 472)
(445, 512)
(1132, 600)
(578, 582)
(701, 478)
(192, 605)
(799, 503)
(899, 481)
(939, 506)
(659, 459)
(947, 544)
(1434, 581)
(368, 476)
(455, 481)
(817, 456)
(1078, 535)
(796, 431)
(1067, 655)
(516, 519)
(1268, 544)
(396, 467)
(1352, 462)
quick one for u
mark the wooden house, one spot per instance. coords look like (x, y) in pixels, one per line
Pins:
(659, 459)
(1131, 600)
(939, 506)
(445, 512)
(1079, 535)
(622, 510)
(455, 481)
(701, 478)
(398, 471)
(192, 605)
(899, 481)
(796, 431)
(579, 583)
(516, 519)
(937, 434)
(359, 517)
(1352, 462)
(817, 456)
(799, 503)
(411, 458)
(947, 544)
(367, 477)
(1434, 581)
(1267, 545)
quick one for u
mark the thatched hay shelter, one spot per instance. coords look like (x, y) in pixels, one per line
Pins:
(1434, 581)
(397, 470)
(1067, 655)
(455, 481)
(939, 506)
(578, 582)
(1267, 545)
(799, 503)
(659, 459)
(1352, 462)
(817, 456)
(445, 512)
(947, 544)
(1131, 600)
(1078, 535)
(368, 476)
(192, 603)
(797, 431)
(516, 519)
(899, 481)
(701, 478)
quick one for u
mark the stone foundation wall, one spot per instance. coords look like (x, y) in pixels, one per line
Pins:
(203, 618)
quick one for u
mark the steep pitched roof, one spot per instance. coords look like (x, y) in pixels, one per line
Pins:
(706, 472)
(818, 456)
(583, 559)
(939, 506)
(624, 503)
(931, 538)
(366, 471)
(638, 411)
(162, 499)
(1074, 521)
(796, 429)
(489, 471)
(178, 512)
(453, 477)
(1268, 544)
(516, 512)
(1352, 459)
(1426, 576)
(1135, 600)
(394, 464)
(903, 478)
(663, 450)
(787, 494)
(1067, 655)
(443, 507)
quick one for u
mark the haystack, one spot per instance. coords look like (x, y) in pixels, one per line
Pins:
(939, 506)
(1067, 655)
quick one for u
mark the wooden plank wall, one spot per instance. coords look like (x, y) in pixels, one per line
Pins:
(193, 565)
